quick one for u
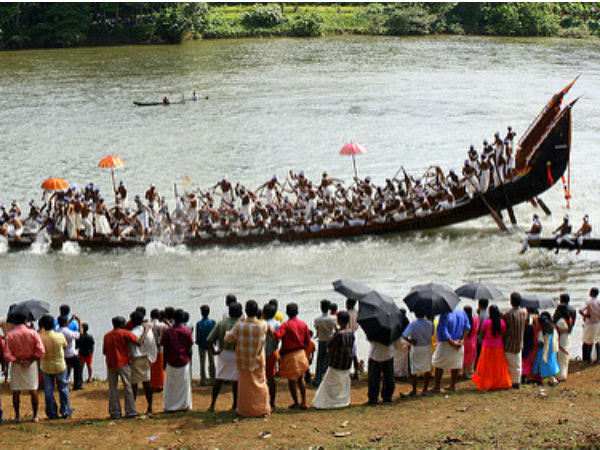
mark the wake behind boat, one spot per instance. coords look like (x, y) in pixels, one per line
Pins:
(492, 181)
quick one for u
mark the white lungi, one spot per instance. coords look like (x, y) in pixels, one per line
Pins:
(334, 390)
(178, 388)
(420, 359)
(226, 366)
(513, 360)
(401, 356)
(140, 370)
(591, 333)
(447, 357)
(23, 378)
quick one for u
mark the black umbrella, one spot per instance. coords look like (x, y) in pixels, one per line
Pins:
(537, 301)
(380, 318)
(33, 309)
(351, 289)
(431, 299)
(477, 291)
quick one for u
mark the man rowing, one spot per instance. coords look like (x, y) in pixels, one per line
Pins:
(535, 232)
(583, 233)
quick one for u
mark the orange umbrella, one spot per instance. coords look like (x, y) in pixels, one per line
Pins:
(112, 162)
(54, 184)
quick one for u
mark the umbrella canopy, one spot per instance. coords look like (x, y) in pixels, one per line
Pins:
(537, 301)
(111, 162)
(54, 184)
(353, 148)
(380, 318)
(351, 289)
(33, 309)
(478, 291)
(431, 299)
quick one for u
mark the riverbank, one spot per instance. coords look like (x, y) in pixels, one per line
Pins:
(35, 25)
(565, 416)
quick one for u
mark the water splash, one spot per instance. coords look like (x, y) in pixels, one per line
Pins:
(70, 248)
(3, 245)
(158, 248)
(41, 245)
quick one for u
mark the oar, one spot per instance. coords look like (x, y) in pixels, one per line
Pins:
(543, 206)
(511, 213)
(493, 212)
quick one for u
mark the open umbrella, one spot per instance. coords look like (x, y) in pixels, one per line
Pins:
(350, 288)
(353, 148)
(380, 318)
(54, 184)
(477, 291)
(537, 301)
(33, 309)
(431, 299)
(112, 162)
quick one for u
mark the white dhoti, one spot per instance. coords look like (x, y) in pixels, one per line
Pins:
(226, 366)
(420, 359)
(591, 333)
(334, 390)
(102, 225)
(447, 357)
(484, 180)
(23, 378)
(140, 370)
(401, 360)
(513, 361)
(88, 227)
(528, 237)
(177, 389)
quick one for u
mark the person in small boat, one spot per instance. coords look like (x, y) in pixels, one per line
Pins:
(563, 232)
(166, 101)
(194, 97)
(584, 232)
(535, 232)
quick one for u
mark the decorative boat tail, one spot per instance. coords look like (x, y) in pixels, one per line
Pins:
(541, 160)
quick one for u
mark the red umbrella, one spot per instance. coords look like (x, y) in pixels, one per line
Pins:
(54, 184)
(353, 148)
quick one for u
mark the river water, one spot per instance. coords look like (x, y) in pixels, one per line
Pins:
(275, 105)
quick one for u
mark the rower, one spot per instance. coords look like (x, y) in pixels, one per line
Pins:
(583, 233)
(535, 232)
(166, 101)
(510, 135)
(227, 198)
(152, 196)
(14, 207)
(121, 194)
(562, 233)
(473, 157)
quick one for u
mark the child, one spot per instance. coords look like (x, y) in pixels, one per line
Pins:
(546, 364)
(85, 344)
(419, 334)
(333, 309)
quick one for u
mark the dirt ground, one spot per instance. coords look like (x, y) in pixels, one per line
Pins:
(565, 416)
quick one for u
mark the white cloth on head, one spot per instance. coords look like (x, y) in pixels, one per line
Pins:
(23, 378)
(514, 361)
(420, 359)
(226, 366)
(447, 357)
(178, 388)
(334, 390)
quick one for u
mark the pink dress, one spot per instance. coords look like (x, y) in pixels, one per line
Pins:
(471, 344)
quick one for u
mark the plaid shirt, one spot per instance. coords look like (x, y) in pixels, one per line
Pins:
(249, 336)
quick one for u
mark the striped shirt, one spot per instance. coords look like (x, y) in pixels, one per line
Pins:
(249, 336)
(515, 319)
(340, 349)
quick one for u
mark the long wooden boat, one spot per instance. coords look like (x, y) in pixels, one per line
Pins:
(157, 103)
(550, 244)
(542, 162)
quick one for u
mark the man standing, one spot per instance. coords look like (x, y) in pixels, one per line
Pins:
(71, 356)
(116, 350)
(591, 326)
(141, 357)
(22, 348)
(271, 353)
(515, 319)
(54, 369)
(249, 336)
(295, 339)
(325, 325)
(157, 370)
(381, 372)
(449, 352)
(177, 345)
(353, 326)
(203, 329)
(226, 366)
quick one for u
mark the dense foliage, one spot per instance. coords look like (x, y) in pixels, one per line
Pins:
(25, 25)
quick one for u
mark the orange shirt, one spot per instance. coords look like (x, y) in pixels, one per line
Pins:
(116, 348)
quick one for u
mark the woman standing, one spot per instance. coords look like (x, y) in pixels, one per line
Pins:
(492, 370)
(470, 343)
(546, 364)
(564, 327)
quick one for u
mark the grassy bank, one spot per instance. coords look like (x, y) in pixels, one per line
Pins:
(565, 416)
(29, 25)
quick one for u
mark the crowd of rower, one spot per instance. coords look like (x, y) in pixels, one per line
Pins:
(295, 204)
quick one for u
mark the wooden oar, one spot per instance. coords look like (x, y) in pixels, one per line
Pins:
(511, 213)
(543, 206)
(493, 212)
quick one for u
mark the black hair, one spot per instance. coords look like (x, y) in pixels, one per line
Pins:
(252, 308)
(515, 299)
(565, 298)
(325, 304)
(169, 312)
(546, 323)
(230, 298)
(46, 322)
(85, 327)
(62, 321)
(64, 310)
(275, 303)
(179, 315)
(154, 313)
(17, 318)
(343, 318)
(593, 292)
(205, 310)
(291, 309)
(469, 312)
(483, 303)
(142, 310)
(118, 322)
(496, 320)
(333, 307)
(350, 303)
(269, 311)
(186, 316)
(562, 312)
(136, 318)
(235, 310)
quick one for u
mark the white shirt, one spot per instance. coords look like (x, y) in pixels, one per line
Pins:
(71, 336)
(379, 352)
(148, 348)
(325, 325)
